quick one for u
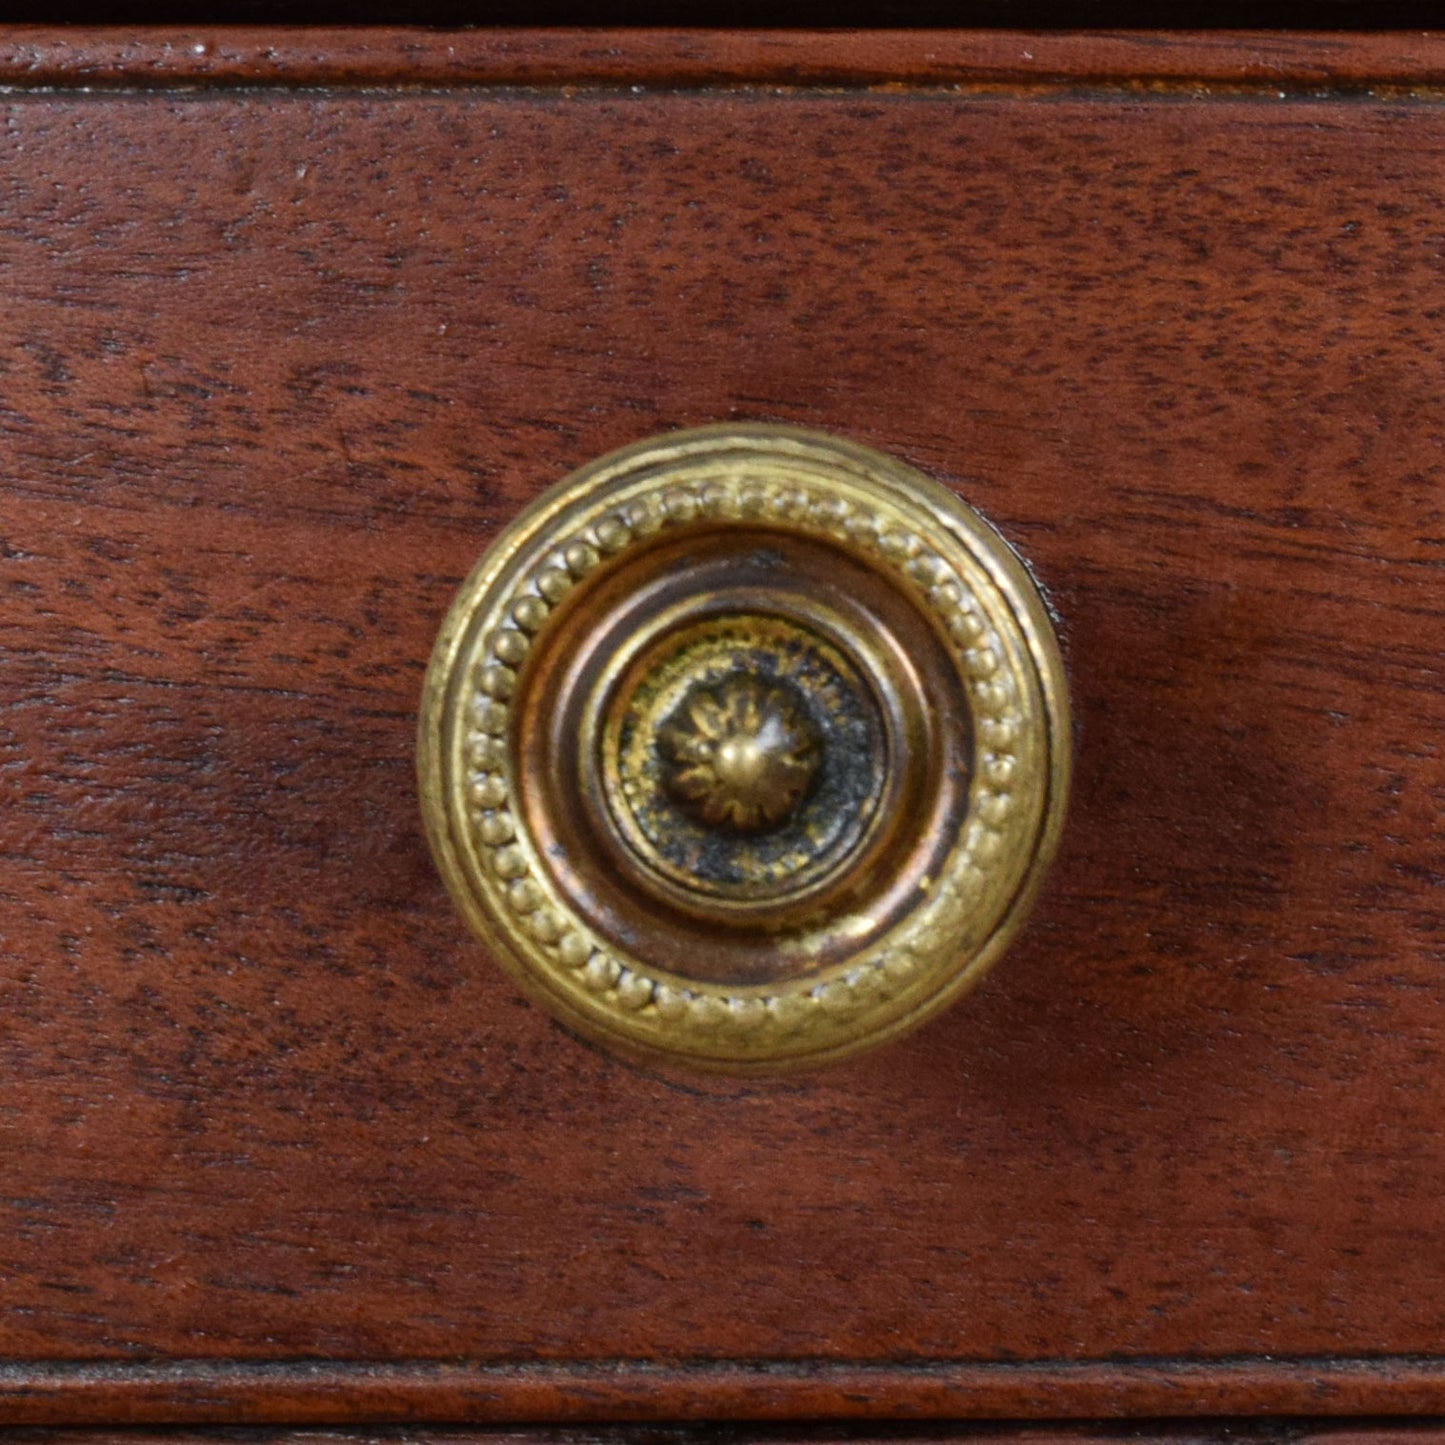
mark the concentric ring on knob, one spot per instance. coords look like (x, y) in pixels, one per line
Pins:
(745, 747)
(742, 758)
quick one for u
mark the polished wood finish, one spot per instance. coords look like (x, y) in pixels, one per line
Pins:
(1217, 1432)
(344, 56)
(278, 1140)
(318, 1392)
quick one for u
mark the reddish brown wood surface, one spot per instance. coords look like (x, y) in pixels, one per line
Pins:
(277, 366)
(319, 1392)
(305, 56)
(803, 1433)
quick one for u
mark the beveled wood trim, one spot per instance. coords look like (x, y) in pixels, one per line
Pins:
(1163, 1432)
(205, 1392)
(161, 57)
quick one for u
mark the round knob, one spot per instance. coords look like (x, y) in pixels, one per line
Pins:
(745, 747)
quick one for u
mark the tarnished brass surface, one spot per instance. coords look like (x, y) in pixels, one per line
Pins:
(739, 753)
(745, 747)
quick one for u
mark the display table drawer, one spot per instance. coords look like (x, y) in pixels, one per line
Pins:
(293, 327)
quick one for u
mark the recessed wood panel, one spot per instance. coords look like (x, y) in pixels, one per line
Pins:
(275, 369)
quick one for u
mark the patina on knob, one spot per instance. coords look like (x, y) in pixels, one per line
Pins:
(741, 753)
(745, 748)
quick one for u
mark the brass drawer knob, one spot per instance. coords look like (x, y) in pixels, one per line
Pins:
(745, 747)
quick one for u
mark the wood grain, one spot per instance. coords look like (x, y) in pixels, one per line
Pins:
(1240, 1432)
(344, 56)
(1294, 1432)
(320, 1393)
(276, 366)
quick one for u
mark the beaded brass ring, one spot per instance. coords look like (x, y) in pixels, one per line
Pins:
(745, 748)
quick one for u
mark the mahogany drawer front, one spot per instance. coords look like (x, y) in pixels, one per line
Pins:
(280, 359)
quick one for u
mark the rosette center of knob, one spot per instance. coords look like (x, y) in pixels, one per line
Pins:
(740, 755)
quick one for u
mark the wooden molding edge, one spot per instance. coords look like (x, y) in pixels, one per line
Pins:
(320, 1392)
(170, 57)
(1278, 1431)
